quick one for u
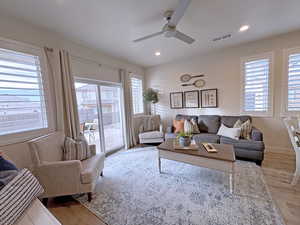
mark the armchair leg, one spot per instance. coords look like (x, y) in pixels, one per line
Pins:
(45, 201)
(89, 196)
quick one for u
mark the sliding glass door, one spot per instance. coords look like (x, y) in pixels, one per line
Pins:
(112, 117)
(100, 114)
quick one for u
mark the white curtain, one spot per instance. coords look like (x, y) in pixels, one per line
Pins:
(65, 96)
(129, 130)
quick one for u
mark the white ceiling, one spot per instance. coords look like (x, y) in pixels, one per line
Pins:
(111, 25)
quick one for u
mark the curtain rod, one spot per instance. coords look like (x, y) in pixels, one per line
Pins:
(93, 61)
(49, 49)
(90, 60)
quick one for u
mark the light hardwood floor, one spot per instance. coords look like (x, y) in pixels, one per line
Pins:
(277, 168)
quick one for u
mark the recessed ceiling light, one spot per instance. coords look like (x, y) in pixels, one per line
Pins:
(157, 53)
(244, 28)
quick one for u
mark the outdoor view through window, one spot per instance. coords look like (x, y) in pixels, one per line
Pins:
(22, 103)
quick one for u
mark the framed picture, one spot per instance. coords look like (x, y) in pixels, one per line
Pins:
(176, 100)
(191, 99)
(209, 98)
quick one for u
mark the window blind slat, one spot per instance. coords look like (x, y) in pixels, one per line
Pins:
(137, 95)
(22, 100)
(293, 96)
(256, 86)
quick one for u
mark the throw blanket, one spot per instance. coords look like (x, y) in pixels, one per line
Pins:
(17, 195)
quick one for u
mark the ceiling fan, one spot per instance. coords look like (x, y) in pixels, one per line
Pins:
(173, 18)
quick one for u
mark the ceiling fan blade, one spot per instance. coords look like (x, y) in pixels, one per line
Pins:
(149, 36)
(183, 37)
(179, 12)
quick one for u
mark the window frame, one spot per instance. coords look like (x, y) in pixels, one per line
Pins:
(143, 86)
(285, 73)
(270, 112)
(22, 136)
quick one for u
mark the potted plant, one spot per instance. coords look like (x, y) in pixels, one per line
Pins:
(184, 138)
(151, 96)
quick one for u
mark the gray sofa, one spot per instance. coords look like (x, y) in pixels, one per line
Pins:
(209, 125)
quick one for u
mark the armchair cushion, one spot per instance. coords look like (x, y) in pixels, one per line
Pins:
(151, 135)
(48, 148)
(91, 168)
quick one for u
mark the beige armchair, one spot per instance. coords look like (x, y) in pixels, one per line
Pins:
(151, 130)
(59, 177)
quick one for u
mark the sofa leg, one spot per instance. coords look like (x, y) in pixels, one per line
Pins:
(258, 162)
(101, 174)
(89, 196)
(45, 201)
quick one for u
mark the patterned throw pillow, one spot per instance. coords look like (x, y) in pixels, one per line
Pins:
(188, 127)
(82, 147)
(195, 126)
(70, 151)
(178, 125)
(246, 128)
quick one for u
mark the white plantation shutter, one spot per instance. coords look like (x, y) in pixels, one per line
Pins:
(256, 88)
(293, 95)
(137, 95)
(22, 102)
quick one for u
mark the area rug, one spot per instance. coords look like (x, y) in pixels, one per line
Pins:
(133, 192)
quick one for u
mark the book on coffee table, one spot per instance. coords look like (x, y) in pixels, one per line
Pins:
(209, 148)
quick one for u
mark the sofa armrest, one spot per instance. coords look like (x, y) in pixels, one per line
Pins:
(256, 134)
(60, 177)
(169, 129)
(93, 149)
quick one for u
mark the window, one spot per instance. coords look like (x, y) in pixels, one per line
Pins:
(257, 96)
(292, 81)
(137, 95)
(22, 97)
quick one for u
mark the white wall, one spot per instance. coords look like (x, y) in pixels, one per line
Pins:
(222, 71)
(15, 29)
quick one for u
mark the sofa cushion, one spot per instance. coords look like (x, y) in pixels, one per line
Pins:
(209, 123)
(243, 144)
(91, 168)
(151, 135)
(205, 137)
(229, 121)
(186, 117)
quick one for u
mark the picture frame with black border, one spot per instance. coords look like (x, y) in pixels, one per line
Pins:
(209, 98)
(191, 99)
(176, 100)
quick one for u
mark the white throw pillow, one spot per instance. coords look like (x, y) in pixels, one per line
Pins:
(233, 133)
(188, 127)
